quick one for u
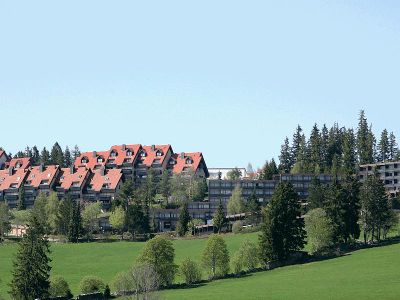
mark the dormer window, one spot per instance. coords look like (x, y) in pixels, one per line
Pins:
(189, 161)
(127, 160)
(49, 175)
(18, 165)
(113, 153)
(100, 159)
(13, 185)
(45, 181)
(143, 154)
(159, 153)
(84, 160)
(172, 162)
(129, 152)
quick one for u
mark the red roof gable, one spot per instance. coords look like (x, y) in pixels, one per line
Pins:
(151, 155)
(109, 180)
(17, 177)
(37, 176)
(77, 178)
(92, 159)
(190, 160)
(124, 154)
(19, 163)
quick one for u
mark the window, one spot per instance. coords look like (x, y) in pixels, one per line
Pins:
(127, 160)
(172, 162)
(84, 160)
(113, 153)
(44, 181)
(13, 185)
(143, 154)
(100, 159)
(159, 153)
(189, 161)
(129, 152)
(75, 184)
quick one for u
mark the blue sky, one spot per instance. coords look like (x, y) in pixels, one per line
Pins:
(228, 78)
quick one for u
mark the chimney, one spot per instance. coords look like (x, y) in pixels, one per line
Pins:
(123, 147)
(94, 153)
(71, 169)
(10, 171)
(41, 168)
(182, 155)
(153, 147)
(102, 171)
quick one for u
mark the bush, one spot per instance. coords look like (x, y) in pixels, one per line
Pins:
(237, 227)
(320, 231)
(123, 284)
(190, 271)
(127, 236)
(59, 287)
(91, 284)
(215, 256)
(107, 292)
(237, 263)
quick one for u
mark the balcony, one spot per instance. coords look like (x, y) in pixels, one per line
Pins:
(127, 171)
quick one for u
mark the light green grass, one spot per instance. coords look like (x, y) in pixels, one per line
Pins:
(74, 261)
(364, 274)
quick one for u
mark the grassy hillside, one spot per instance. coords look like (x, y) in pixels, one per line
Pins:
(364, 274)
(74, 261)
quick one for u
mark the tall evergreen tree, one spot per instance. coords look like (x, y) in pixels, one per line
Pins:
(285, 158)
(76, 152)
(75, 223)
(298, 139)
(165, 186)
(57, 155)
(351, 198)
(28, 152)
(302, 164)
(393, 148)
(324, 148)
(67, 157)
(136, 220)
(283, 228)
(184, 219)
(32, 265)
(316, 194)
(35, 156)
(219, 218)
(316, 164)
(21, 198)
(384, 147)
(269, 170)
(349, 152)
(362, 139)
(65, 211)
(45, 157)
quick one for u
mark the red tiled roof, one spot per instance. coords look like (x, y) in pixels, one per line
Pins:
(190, 160)
(151, 155)
(77, 177)
(23, 162)
(111, 178)
(92, 161)
(17, 178)
(37, 177)
(122, 156)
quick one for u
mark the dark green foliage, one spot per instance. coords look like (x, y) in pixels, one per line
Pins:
(5, 216)
(296, 144)
(269, 170)
(234, 174)
(57, 155)
(76, 153)
(21, 198)
(316, 194)
(393, 148)
(165, 186)
(35, 156)
(31, 267)
(315, 150)
(45, 157)
(136, 221)
(285, 159)
(184, 219)
(283, 228)
(125, 194)
(91, 284)
(67, 158)
(384, 147)
(107, 292)
(219, 218)
(200, 188)
(349, 153)
(253, 209)
(65, 210)
(75, 223)
(59, 288)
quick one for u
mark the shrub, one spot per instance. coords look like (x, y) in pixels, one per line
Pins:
(123, 283)
(320, 231)
(215, 256)
(59, 287)
(190, 271)
(91, 284)
(127, 236)
(237, 227)
(246, 258)
(107, 292)
(237, 263)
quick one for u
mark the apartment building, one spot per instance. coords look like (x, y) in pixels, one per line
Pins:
(72, 182)
(11, 181)
(388, 172)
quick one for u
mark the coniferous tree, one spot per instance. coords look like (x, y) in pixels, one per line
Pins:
(45, 157)
(184, 219)
(269, 170)
(371, 149)
(219, 218)
(165, 186)
(75, 223)
(316, 194)
(32, 265)
(393, 150)
(125, 194)
(67, 157)
(285, 158)
(315, 151)
(21, 198)
(57, 155)
(351, 198)
(302, 160)
(298, 139)
(362, 139)
(349, 152)
(28, 152)
(283, 228)
(76, 152)
(65, 210)
(35, 156)
(136, 220)
(384, 147)
(252, 208)
(324, 148)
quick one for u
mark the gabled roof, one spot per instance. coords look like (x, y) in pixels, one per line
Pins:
(77, 177)
(122, 150)
(151, 155)
(92, 158)
(42, 175)
(190, 160)
(19, 163)
(17, 177)
(3, 153)
(111, 178)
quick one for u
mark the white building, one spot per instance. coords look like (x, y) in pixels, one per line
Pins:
(224, 171)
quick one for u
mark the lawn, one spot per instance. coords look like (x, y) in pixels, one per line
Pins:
(364, 274)
(74, 261)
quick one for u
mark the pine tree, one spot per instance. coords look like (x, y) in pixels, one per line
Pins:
(302, 164)
(136, 220)
(67, 157)
(28, 152)
(219, 218)
(64, 215)
(349, 152)
(351, 198)
(76, 152)
(165, 186)
(384, 147)
(269, 170)
(35, 156)
(393, 149)
(32, 265)
(283, 228)
(285, 158)
(45, 157)
(315, 151)
(298, 139)
(324, 148)
(57, 155)
(21, 197)
(362, 139)
(335, 209)
(316, 194)
(75, 223)
(184, 219)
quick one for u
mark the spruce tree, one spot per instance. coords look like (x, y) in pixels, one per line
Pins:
(362, 139)
(21, 198)
(184, 219)
(298, 138)
(75, 223)
(64, 215)
(302, 164)
(324, 148)
(35, 156)
(349, 153)
(252, 208)
(393, 149)
(315, 151)
(67, 157)
(45, 157)
(285, 159)
(351, 198)
(165, 186)
(283, 228)
(219, 218)
(316, 194)
(384, 147)
(57, 155)
(31, 268)
(76, 152)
